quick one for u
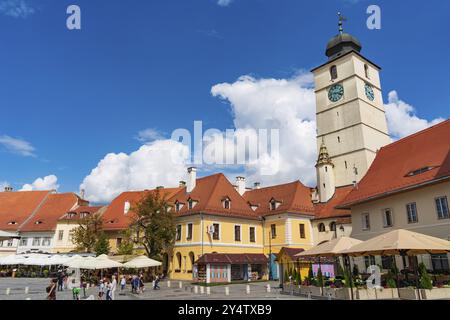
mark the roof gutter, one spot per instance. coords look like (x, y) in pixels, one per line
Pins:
(389, 193)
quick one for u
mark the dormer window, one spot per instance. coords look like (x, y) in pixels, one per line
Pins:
(226, 203)
(84, 214)
(254, 207)
(111, 221)
(419, 171)
(274, 204)
(38, 222)
(11, 223)
(126, 207)
(178, 206)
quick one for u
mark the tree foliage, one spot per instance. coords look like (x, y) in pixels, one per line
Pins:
(154, 225)
(86, 235)
(425, 279)
(126, 246)
(102, 244)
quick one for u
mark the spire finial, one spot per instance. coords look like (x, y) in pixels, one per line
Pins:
(341, 20)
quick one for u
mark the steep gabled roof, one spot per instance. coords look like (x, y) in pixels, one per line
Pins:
(411, 162)
(75, 214)
(18, 206)
(328, 209)
(209, 192)
(47, 216)
(114, 217)
(293, 197)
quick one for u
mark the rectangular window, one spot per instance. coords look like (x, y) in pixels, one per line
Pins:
(46, 242)
(36, 242)
(387, 218)
(10, 243)
(216, 231)
(23, 242)
(273, 230)
(252, 234)
(118, 242)
(60, 235)
(302, 231)
(237, 233)
(189, 231)
(178, 234)
(442, 208)
(369, 261)
(411, 212)
(440, 262)
(365, 221)
(387, 262)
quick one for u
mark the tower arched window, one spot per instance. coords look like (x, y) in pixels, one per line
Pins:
(333, 226)
(339, 139)
(333, 72)
(366, 71)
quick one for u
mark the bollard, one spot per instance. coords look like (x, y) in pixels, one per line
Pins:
(208, 290)
(309, 295)
(248, 289)
(268, 288)
(202, 290)
(227, 291)
(195, 289)
(168, 284)
(329, 296)
(181, 285)
(27, 289)
(8, 290)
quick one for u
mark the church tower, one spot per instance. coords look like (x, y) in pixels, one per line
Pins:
(351, 122)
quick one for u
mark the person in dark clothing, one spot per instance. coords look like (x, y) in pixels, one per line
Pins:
(51, 290)
(60, 281)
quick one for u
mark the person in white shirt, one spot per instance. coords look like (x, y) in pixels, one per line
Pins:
(113, 287)
(123, 283)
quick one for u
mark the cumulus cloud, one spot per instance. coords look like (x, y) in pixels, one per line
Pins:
(158, 163)
(49, 182)
(402, 119)
(16, 8)
(3, 185)
(149, 135)
(224, 3)
(287, 105)
(18, 146)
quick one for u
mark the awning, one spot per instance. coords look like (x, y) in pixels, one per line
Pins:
(233, 258)
(330, 248)
(142, 262)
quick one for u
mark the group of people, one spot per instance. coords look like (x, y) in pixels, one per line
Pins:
(107, 288)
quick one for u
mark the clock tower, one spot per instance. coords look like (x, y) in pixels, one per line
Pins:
(351, 122)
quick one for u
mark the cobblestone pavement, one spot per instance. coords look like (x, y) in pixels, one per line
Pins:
(36, 291)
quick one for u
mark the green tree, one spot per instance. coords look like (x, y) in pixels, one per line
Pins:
(102, 244)
(299, 278)
(126, 246)
(340, 270)
(86, 235)
(286, 276)
(310, 274)
(390, 281)
(425, 279)
(154, 225)
(319, 277)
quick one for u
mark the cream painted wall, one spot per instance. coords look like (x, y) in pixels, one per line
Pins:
(428, 222)
(328, 235)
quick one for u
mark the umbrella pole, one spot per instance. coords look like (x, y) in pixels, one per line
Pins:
(397, 277)
(348, 269)
(321, 282)
(416, 272)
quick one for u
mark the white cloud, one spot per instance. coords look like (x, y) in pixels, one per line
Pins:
(17, 146)
(3, 185)
(16, 8)
(154, 164)
(224, 3)
(401, 118)
(284, 104)
(47, 183)
(149, 135)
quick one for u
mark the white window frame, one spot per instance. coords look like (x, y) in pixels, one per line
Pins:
(60, 235)
(176, 232)
(440, 204)
(218, 233)
(408, 211)
(187, 231)
(365, 221)
(36, 239)
(21, 244)
(46, 241)
(10, 243)
(384, 212)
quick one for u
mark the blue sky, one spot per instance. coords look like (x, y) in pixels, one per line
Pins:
(75, 96)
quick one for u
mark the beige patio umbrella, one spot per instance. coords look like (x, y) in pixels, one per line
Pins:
(103, 262)
(330, 248)
(142, 262)
(400, 242)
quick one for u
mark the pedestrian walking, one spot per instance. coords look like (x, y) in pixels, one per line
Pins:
(123, 283)
(51, 290)
(101, 290)
(156, 285)
(113, 287)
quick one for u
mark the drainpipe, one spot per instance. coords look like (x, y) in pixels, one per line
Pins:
(201, 223)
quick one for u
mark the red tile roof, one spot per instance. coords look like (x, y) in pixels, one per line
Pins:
(294, 197)
(76, 213)
(232, 258)
(389, 173)
(209, 192)
(18, 206)
(114, 217)
(47, 216)
(329, 210)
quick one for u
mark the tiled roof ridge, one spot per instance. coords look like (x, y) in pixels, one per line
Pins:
(423, 131)
(35, 211)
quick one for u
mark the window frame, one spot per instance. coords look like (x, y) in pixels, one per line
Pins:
(60, 235)
(319, 229)
(365, 225)
(408, 213)
(178, 232)
(333, 73)
(240, 232)
(216, 235)
(250, 234)
(440, 204)
(385, 224)
(189, 230)
(273, 230)
(302, 230)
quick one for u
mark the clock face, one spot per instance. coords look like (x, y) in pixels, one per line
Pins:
(336, 92)
(369, 92)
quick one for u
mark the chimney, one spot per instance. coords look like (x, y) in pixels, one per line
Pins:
(192, 179)
(256, 185)
(8, 189)
(240, 184)
(182, 184)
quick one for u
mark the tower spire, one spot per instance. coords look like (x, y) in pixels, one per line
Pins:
(341, 22)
